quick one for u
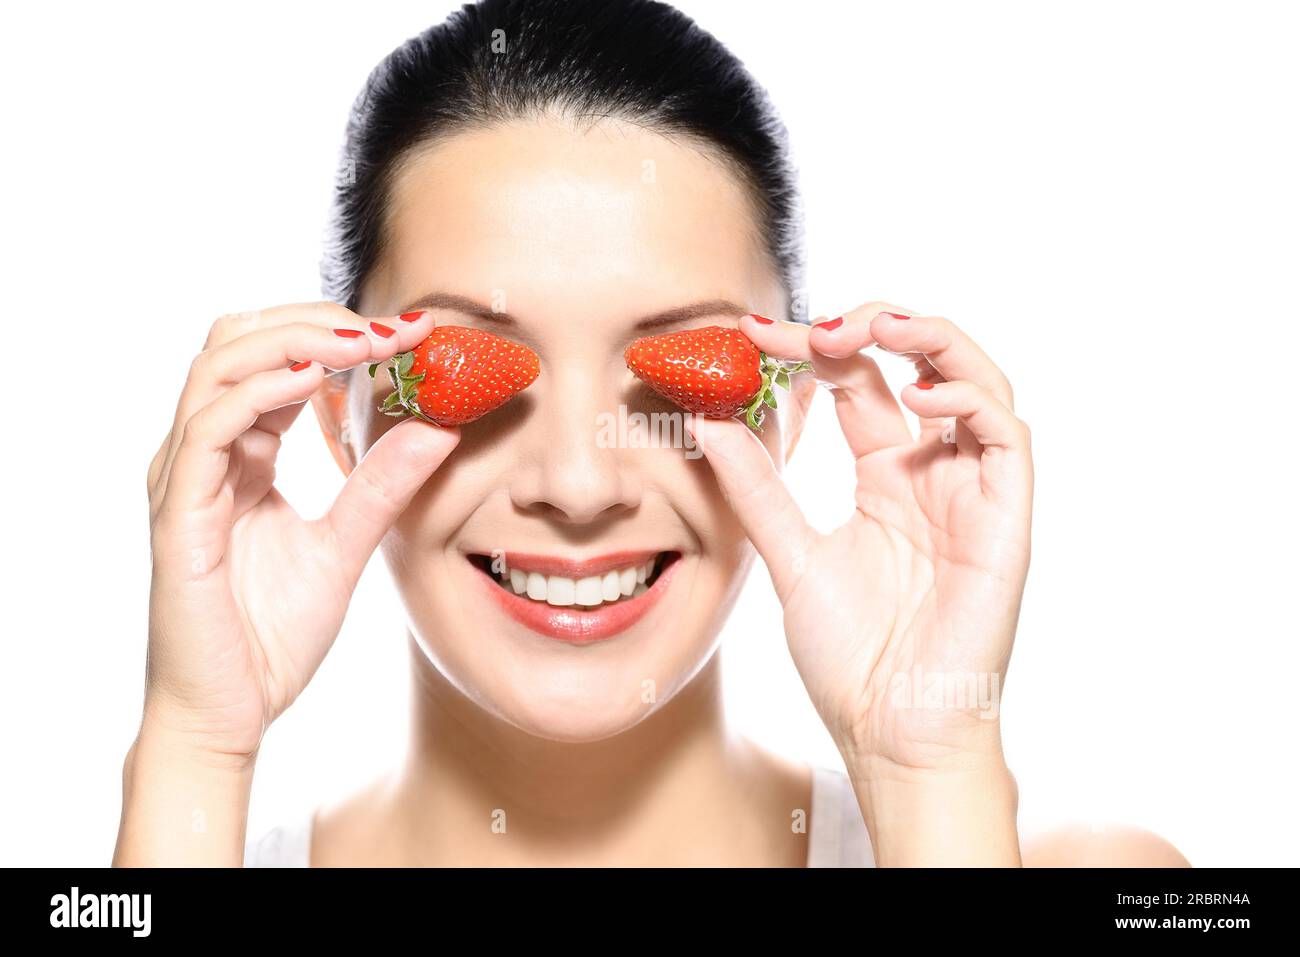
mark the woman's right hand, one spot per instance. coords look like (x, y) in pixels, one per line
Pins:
(247, 597)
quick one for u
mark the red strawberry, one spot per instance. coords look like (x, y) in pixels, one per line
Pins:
(457, 374)
(714, 371)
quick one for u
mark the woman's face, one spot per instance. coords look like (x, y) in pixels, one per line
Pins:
(571, 243)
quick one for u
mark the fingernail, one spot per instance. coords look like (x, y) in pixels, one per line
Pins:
(829, 324)
(925, 385)
(349, 333)
(411, 316)
(381, 329)
(894, 315)
(299, 366)
(761, 320)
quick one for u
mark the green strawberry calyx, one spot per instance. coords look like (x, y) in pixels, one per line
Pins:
(773, 372)
(404, 399)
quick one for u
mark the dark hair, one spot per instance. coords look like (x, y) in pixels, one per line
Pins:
(638, 60)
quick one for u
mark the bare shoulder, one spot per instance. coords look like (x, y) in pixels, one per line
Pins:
(1113, 845)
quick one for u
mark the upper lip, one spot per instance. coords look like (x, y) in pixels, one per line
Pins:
(568, 567)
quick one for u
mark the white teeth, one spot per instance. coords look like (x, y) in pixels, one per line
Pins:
(560, 591)
(588, 591)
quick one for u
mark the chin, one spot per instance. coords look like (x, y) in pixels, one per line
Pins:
(575, 722)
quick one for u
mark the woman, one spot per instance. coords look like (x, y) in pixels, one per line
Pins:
(575, 175)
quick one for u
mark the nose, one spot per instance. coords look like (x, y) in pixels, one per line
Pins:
(570, 470)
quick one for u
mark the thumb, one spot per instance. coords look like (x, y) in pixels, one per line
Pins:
(754, 490)
(383, 484)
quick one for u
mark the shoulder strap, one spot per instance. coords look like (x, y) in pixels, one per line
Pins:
(837, 835)
(286, 845)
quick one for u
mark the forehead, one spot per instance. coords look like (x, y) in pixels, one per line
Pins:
(544, 214)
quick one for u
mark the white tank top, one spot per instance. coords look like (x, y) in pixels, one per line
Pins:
(837, 835)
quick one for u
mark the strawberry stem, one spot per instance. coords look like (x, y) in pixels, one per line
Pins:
(404, 399)
(772, 372)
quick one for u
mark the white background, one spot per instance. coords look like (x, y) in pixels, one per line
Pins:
(1104, 194)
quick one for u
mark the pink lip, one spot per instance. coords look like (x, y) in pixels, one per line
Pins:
(575, 624)
(576, 568)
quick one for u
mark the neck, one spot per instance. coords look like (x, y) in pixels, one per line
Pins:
(676, 788)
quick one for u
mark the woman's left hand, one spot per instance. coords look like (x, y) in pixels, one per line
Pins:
(919, 591)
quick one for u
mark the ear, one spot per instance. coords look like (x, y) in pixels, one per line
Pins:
(330, 403)
(802, 390)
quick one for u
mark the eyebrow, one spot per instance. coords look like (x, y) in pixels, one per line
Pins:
(470, 307)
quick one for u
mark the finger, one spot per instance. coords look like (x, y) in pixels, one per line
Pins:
(323, 332)
(869, 415)
(767, 512)
(356, 341)
(1003, 439)
(786, 340)
(277, 421)
(202, 457)
(948, 350)
(282, 337)
(846, 334)
(383, 484)
(327, 315)
(252, 458)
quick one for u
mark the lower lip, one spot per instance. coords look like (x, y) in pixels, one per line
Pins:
(580, 625)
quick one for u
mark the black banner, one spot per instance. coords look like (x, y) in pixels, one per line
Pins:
(336, 905)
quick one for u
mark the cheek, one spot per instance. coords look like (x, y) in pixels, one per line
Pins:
(720, 542)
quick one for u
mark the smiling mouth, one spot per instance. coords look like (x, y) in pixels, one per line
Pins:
(577, 601)
(542, 580)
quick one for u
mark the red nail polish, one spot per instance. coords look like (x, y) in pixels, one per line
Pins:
(410, 316)
(299, 366)
(925, 385)
(381, 329)
(349, 333)
(829, 324)
(761, 320)
(894, 315)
